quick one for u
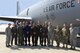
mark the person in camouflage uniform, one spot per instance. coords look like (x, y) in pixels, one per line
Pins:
(57, 35)
(65, 35)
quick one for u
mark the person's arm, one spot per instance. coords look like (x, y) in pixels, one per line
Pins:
(6, 32)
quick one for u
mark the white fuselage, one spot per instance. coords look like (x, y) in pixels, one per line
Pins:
(57, 12)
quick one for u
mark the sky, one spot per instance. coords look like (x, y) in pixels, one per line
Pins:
(8, 7)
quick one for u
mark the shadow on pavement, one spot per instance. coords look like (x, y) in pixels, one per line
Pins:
(41, 47)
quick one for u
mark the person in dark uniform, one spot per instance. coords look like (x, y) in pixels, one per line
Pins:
(30, 25)
(44, 34)
(39, 32)
(36, 36)
(26, 30)
(40, 27)
(33, 33)
(20, 34)
(14, 34)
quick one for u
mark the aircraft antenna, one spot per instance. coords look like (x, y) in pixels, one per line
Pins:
(18, 8)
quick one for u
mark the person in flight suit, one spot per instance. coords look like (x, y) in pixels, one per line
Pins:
(20, 34)
(65, 34)
(8, 35)
(14, 34)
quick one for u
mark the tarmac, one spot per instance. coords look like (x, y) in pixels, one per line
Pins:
(33, 49)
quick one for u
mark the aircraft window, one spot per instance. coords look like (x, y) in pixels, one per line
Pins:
(27, 11)
(79, 1)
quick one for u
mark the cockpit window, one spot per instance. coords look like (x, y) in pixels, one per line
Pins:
(27, 11)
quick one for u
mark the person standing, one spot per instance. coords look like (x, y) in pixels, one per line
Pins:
(73, 33)
(65, 35)
(44, 34)
(14, 34)
(34, 34)
(39, 32)
(30, 25)
(57, 35)
(26, 31)
(20, 34)
(50, 34)
(8, 35)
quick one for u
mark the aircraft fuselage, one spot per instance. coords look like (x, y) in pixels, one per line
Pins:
(57, 12)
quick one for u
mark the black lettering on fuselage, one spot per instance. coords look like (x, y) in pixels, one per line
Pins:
(51, 7)
(60, 6)
(72, 3)
(63, 5)
(57, 6)
(68, 4)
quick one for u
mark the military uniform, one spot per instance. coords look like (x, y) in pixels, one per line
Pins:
(30, 25)
(14, 35)
(44, 35)
(65, 33)
(20, 35)
(26, 31)
(39, 33)
(34, 36)
(57, 36)
(50, 35)
(8, 36)
(73, 35)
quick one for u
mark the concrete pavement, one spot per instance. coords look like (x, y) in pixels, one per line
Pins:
(32, 49)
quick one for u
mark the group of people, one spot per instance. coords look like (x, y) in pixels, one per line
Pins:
(33, 34)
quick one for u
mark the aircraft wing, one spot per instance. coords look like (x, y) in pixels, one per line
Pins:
(13, 18)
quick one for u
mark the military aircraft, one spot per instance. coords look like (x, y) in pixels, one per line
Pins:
(57, 12)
